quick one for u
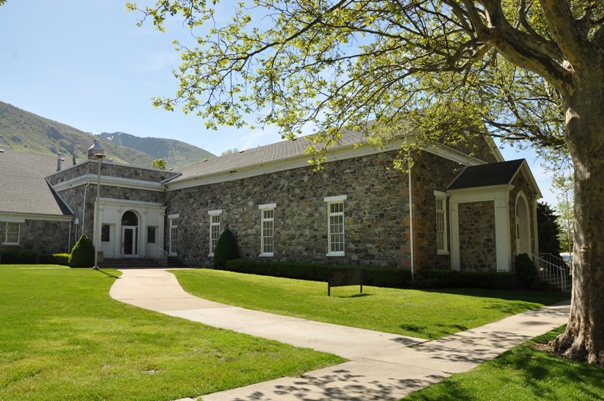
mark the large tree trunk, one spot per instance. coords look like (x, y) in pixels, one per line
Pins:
(584, 336)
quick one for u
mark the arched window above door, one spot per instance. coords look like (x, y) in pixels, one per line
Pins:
(129, 219)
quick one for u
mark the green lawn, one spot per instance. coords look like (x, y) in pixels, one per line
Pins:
(63, 338)
(521, 374)
(424, 314)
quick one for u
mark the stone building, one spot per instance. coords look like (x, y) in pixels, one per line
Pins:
(458, 209)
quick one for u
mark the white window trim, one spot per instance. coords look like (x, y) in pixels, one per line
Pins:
(338, 198)
(4, 232)
(438, 195)
(212, 213)
(268, 206)
(331, 200)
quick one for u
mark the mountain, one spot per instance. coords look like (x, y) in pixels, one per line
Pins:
(25, 131)
(175, 153)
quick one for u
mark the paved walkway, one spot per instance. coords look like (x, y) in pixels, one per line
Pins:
(382, 366)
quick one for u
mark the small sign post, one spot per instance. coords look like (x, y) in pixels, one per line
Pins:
(340, 277)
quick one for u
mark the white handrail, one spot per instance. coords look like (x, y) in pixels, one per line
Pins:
(163, 258)
(552, 269)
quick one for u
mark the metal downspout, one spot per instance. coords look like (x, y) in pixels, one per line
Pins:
(411, 227)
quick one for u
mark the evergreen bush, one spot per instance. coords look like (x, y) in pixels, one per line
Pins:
(226, 249)
(82, 254)
(27, 257)
(527, 276)
(9, 256)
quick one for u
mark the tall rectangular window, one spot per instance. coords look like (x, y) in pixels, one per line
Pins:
(335, 225)
(173, 240)
(105, 229)
(10, 233)
(267, 224)
(441, 222)
(151, 232)
(214, 229)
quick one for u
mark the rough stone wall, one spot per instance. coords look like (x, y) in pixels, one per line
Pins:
(374, 213)
(430, 173)
(477, 242)
(43, 237)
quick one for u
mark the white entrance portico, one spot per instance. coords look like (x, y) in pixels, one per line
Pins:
(130, 229)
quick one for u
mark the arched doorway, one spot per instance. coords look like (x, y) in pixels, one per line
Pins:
(523, 232)
(129, 234)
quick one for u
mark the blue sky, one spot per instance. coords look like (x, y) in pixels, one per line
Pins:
(86, 64)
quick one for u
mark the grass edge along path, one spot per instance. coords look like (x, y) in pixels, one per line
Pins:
(63, 337)
(416, 313)
(528, 372)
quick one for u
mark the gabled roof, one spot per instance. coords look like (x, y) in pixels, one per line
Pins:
(494, 174)
(274, 152)
(23, 187)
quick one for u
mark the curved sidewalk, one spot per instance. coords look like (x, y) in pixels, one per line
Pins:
(382, 366)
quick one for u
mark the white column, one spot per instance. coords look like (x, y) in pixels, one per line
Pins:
(502, 231)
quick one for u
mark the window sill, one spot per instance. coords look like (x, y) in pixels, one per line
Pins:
(443, 253)
(266, 255)
(335, 254)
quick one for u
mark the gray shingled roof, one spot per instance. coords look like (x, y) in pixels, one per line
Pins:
(487, 175)
(23, 188)
(256, 156)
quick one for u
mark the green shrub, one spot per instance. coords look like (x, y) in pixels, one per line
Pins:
(82, 254)
(9, 256)
(527, 276)
(55, 259)
(386, 277)
(27, 257)
(434, 278)
(374, 276)
(226, 249)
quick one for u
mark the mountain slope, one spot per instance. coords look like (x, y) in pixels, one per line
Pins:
(175, 153)
(25, 131)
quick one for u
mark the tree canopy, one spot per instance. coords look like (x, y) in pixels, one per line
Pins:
(431, 65)
(159, 164)
(443, 69)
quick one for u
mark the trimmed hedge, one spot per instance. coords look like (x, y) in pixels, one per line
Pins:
(386, 277)
(18, 256)
(373, 276)
(436, 278)
(9, 256)
(55, 259)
